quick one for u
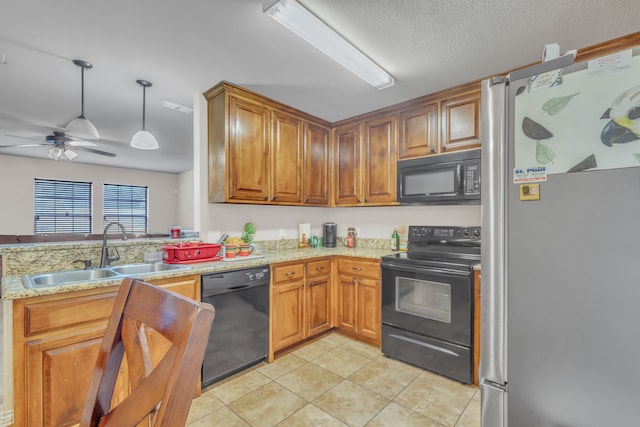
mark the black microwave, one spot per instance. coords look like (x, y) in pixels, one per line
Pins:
(447, 179)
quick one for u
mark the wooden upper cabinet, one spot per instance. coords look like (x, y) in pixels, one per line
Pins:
(316, 165)
(380, 156)
(346, 162)
(460, 121)
(286, 158)
(418, 132)
(248, 150)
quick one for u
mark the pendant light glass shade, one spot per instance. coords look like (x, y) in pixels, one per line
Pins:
(143, 139)
(81, 127)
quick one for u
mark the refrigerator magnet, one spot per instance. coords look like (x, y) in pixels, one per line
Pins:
(529, 192)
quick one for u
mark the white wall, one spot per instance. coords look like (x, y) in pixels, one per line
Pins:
(377, 222)
(17, 185)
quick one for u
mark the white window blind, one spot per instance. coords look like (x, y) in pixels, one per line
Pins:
(62, 206)
(126, 204)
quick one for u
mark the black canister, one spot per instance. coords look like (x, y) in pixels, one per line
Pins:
(329, 234)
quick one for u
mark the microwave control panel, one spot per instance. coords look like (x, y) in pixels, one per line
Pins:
(472, 179)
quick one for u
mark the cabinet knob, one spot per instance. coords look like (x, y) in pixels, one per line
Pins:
(306, 200)
(358, 200)
(444, 147)
(433, 150)
(353, 281)
(266, 197)
(274, 198)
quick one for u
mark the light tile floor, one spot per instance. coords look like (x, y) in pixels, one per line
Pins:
(336, 381)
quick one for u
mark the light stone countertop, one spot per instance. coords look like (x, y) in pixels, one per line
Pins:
(13, 288)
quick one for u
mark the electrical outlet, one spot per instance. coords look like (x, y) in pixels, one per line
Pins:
(357, 231)
(282, 234)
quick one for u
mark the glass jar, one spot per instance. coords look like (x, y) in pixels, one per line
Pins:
(351, 237)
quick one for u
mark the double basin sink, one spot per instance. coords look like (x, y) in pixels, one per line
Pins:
(60, 278)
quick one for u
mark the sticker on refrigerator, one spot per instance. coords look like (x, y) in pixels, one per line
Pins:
(609, 64)
(532, 174)
(545, 80)
(529, 192)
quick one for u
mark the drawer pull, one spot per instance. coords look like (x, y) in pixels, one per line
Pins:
(290, 273)
(319, 268)
(357, 268)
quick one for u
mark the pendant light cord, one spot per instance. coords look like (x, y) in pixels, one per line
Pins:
(144, 104)
(82, 93)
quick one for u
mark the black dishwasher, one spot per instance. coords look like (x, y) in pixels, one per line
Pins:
(240, 333)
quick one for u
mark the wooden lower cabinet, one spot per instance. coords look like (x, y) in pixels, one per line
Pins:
(300, 302)
(359, 298)
(56, 341)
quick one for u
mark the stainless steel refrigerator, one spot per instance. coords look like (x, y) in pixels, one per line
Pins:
(561, 245)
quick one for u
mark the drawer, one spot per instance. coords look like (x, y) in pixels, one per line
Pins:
(288, 273)
(68, 312)
(318, 268)
(358, 267)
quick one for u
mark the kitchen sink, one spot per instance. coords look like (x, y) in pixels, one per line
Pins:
(61, 278)
(42, 280)
(133, 269)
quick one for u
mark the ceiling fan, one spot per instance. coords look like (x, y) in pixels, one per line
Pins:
(60, 144)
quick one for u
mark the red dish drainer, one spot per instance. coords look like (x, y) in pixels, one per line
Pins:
(187, 253)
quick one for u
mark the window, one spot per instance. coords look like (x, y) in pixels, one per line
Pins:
(126, 204)
(62, 207)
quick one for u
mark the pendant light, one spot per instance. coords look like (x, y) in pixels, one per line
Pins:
(143, 139)
(81, 127)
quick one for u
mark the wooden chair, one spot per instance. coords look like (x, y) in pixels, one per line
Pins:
(160, 396)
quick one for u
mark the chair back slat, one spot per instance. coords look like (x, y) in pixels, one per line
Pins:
(160, 395)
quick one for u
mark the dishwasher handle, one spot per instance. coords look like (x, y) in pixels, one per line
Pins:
(209, 291)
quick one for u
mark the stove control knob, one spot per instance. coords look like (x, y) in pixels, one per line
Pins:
(465, 232)
(476, 233)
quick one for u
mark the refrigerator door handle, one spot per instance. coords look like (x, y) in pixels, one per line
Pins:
(493, 314)
(493, 404)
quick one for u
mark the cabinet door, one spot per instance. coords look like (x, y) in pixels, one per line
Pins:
(288, 315)
(346, 309)
(380, 148)
(369, 306)
(418, 132)
(347, 173)
(318, 308)
(316, 165)
(59, 374)
(460, 124)
(248, 151)
(286, 158)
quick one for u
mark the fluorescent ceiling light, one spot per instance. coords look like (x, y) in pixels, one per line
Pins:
(305, 24)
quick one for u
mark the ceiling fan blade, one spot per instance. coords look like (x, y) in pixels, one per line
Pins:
(102, 153)
(81, 144)
(24, 145)
(24, 137)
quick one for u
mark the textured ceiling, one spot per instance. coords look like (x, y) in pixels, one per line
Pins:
(185, 47)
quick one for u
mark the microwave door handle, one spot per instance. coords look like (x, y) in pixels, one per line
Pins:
(460, 177)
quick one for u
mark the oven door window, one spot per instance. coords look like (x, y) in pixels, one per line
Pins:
(423, 298)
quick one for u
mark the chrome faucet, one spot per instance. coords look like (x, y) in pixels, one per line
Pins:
(105, 259)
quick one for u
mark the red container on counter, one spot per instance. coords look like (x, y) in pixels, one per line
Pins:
(185, 253)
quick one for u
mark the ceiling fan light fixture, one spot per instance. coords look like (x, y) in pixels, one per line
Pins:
(143, 139)
(70, 154)
(302, 22)
(81, 127)
(55, 153)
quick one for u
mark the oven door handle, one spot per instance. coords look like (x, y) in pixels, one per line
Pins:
(424, 269)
